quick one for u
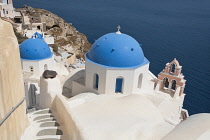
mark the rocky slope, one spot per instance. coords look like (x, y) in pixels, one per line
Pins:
(66, 36)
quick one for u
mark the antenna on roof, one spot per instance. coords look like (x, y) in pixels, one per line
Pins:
(118, 29)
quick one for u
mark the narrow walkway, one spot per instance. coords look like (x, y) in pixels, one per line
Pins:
(43, 126)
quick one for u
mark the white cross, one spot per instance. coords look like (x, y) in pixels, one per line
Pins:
(118, 29)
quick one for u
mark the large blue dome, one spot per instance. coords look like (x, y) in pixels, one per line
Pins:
(117, 50)
(35, 49)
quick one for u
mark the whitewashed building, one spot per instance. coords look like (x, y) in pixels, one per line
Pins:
(7, 9)
(116, 65)
(36, 56)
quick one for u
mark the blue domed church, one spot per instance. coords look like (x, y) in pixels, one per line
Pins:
(115, 64)
(36, 55)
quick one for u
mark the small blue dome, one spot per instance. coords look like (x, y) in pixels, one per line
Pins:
(38, 35)
(117, 50)
(35, 49)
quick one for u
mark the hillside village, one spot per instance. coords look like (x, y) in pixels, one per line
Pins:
(66, 42)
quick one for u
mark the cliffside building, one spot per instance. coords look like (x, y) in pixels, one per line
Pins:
(7, 9)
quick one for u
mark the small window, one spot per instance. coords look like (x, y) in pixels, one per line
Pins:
(140, 80)
(38, 27)
(45, 67)
(96, 81)
(31, 69)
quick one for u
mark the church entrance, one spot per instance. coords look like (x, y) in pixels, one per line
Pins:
(32, 96)
(118, 86)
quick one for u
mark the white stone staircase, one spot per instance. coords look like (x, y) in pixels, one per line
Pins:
(43, 126)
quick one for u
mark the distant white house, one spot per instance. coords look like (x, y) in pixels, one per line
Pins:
(7, 9)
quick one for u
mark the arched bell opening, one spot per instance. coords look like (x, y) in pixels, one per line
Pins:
(173, 87)
(165, 83)
(173, 67)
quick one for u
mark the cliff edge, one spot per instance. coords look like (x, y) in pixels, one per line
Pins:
(67, 37)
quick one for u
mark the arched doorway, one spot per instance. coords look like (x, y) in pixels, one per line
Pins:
(31, 100)
(140, 80)
(119, 85)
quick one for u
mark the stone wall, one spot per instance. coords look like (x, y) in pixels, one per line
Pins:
(61, 112)
(11, 85)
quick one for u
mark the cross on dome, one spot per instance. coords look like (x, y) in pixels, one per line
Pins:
(118, 29)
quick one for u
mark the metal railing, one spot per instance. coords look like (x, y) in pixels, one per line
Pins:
(11, 111)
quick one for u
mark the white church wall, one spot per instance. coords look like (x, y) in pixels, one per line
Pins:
(107, 78)
(144, 80)
(171, 109)
(37, 67)
(31, 66)
(90, 71)
(46, 62)
(113, 74)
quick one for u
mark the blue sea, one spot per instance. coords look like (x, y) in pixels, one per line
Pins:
(167, 29)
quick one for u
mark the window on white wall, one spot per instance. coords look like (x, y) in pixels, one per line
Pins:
(96, 81)
(140, 80)
(45, 67)
(31, 69)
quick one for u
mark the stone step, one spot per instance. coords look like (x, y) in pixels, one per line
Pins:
(43, 111)
(47, 119)
(52, 137)
(49, 131)
(49, 124)
(43, 117)
(37, 115)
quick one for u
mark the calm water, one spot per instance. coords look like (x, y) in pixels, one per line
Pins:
(167, 29)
